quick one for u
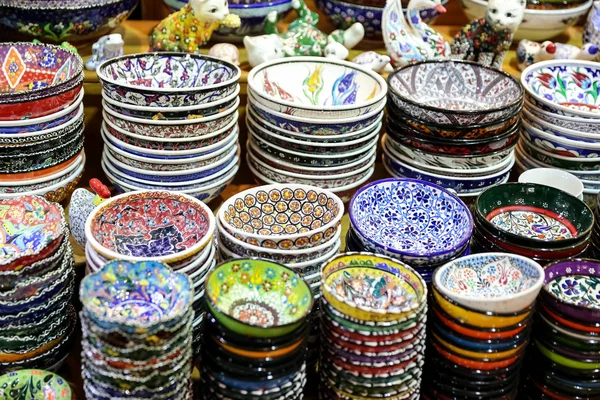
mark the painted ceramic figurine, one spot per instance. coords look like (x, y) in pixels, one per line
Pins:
(191, 27)
(81, 205)
(591, 31)
(374, 61)
(486, 40)
(302, 38)
(530, 52)
(412, 40)
(107, 47)
(226, 52)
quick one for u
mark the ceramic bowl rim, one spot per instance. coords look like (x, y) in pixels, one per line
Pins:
(559, 12)
(551, 266)
(79, 159)
(253, 86)
(569, 118)
(269, 3)
(68, 178)
(558, 156)
(196, 248)
(102, 3)
(562, 172)
(529, 116)
(561, 140)
(70, 124)
(105, 78)
(40, 373)
(514, 103)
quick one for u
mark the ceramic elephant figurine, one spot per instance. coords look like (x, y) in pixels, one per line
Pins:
(530, 52)
(107, 47)
(82, 204)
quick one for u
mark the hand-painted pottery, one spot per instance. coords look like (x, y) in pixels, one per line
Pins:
(565, 361)
(579, 124)
(532, 215)
(34, 384)
(37, 80)
(468, 343)
(565, 87)
(317, 88)
(559, 179)
(560, 145)
(282, 216)
(464, 101)
(246, 296)
(571, 134)
(252, 19)
(154, 225)
(553, 159)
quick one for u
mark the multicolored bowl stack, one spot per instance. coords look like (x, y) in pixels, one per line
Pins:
(314, 121)
(482, 308)
(170, 123)
(136, 322)
(417, 222)
(564, 359)
(374, 312)
(561, 120)
(41, 120)
(160, 226)
(444, 127)
(255, 343)
(536, 221)
(37, 319)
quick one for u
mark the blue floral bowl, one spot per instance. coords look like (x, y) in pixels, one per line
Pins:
(415, 221)
(136, 297)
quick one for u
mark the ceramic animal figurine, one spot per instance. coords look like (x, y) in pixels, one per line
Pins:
(530, 52)
(373, 60)
(81, 205)
(412, 40)
(191, 27)
(107, 47)
(302, 38)
(591, 31)
(226, 52)
(486, 40)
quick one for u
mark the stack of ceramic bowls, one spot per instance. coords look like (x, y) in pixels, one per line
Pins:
(170, 123)
(314, 121)
(37, 319)
(564, 359)
(159, 226)
(561, 120)
(417, 222)
(41, 120)
(136, 322)
(255, 343)
(595, 238)
(446, 128)
(35, 384)
(536, 221)
(482, 307)
(374, 312)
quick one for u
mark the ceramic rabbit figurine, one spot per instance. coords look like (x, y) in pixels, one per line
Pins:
(412, 40)
(530, 52)
(591, 31)
(191, 27)
(82, 204)
(302, 38)
(107, 47)
(487, 39)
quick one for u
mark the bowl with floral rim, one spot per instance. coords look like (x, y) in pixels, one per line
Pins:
(534, 215)
(282, 216)
(559, 145)
(245, 295)
(159, 226)
(41, 174)
(567, 133)
(168, 79)
(579, 124)
(566, 161)
(35, 384)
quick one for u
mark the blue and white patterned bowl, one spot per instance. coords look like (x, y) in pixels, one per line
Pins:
(566, 161)
(416, 221)
(589, 125)
(575, 135)
(560, 145)
(252, 19)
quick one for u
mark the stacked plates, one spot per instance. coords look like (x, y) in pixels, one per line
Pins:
(137, 332)
(37, 319)
(565, 355)
(373, 328)
(452, 123)
(417, 222)
(170, 123)
(255, 343)
(157, 226)
(481, 319)
(314, 121)
(561, 120)
(41, 121)
(536, 221)
(595, 238)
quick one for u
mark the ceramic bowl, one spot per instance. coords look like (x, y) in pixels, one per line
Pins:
(246, 296)
(252, 19)
(559, 145)
(557, 121)
(534, 215)
(166, 227)
(567, 162)
(495, 282)
(282, 216)
(537, 25)
(428, 239)
(412, 89)
(33, 383)
(351, 89)
(574, 135)
(556, 178)
(38, 85)
(168, 79)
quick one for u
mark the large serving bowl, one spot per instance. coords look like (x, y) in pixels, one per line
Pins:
(464, 101)
(252, 18)
(168, 79)
(537, 25)
(154, 225)
(314, 87)
(590, 126)
(38, 80)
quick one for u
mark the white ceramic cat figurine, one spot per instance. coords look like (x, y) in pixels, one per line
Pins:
(263, 48)
(530, 52)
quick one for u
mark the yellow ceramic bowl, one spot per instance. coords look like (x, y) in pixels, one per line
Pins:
(260, 354)
(501, 355)
(476, 319)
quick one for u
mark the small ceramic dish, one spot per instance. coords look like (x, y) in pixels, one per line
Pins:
(349, 90)
(33, 383)
(168, 79)
(175, 227)
(556, 178)
(557, 121)
(246, 296)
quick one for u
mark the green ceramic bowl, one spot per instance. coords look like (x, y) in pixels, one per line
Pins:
(258, 298)
(565, 361)
(532, 215)
(33, 384)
